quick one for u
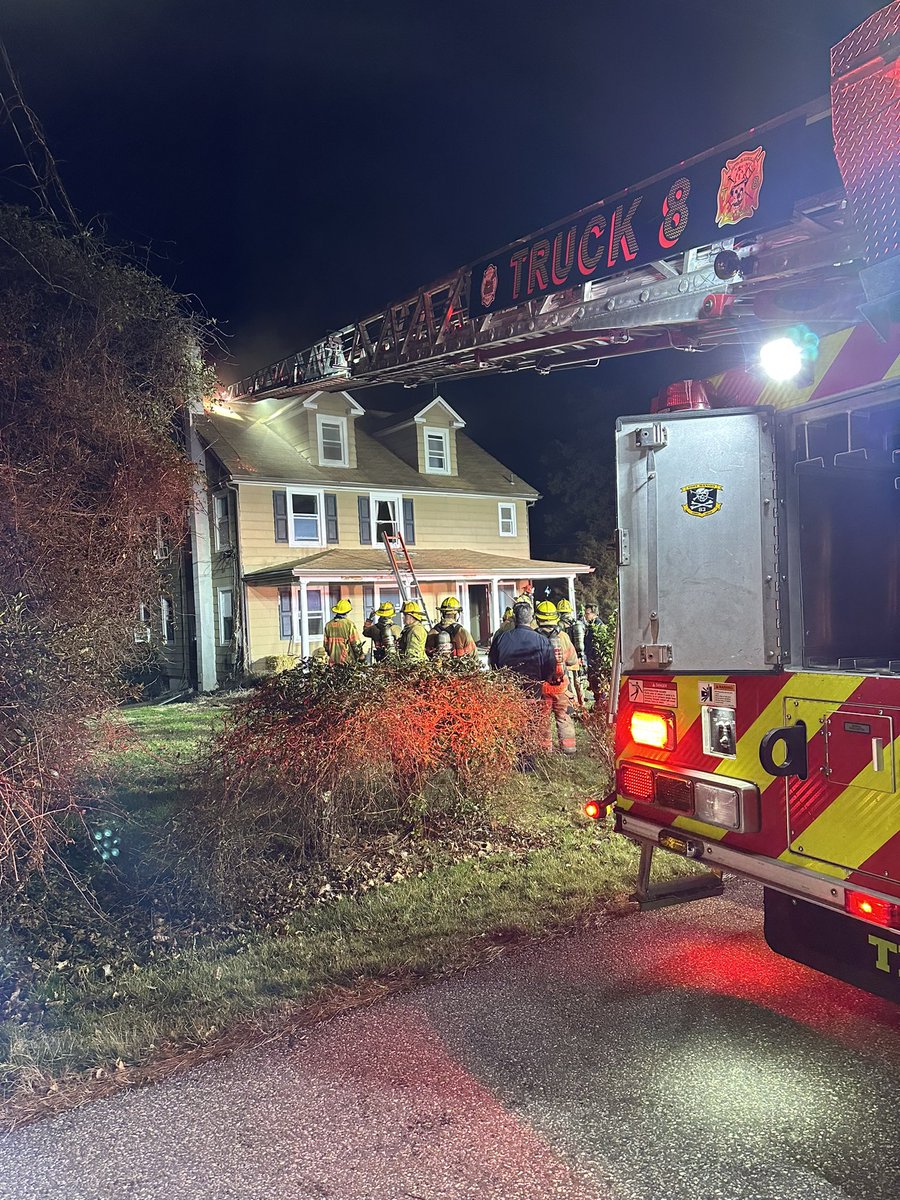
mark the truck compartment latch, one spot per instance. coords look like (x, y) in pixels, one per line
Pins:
(656, 655)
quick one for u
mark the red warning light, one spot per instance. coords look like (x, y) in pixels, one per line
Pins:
(872, 908)
(591, 809)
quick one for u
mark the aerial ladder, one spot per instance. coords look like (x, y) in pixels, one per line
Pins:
(794, 221)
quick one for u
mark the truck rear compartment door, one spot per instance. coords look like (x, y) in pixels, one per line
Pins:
(847, 810)
(698, 577)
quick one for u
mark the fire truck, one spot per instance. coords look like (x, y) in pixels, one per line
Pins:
(758, 678)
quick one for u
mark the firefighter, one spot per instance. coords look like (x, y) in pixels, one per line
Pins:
(411, 645)
(571, 625)
(523, 650)
(557, 698)
(448, 638)
(342, 641)
(383, 632)
(508, 622)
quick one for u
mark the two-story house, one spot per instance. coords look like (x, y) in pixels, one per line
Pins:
(300, 493)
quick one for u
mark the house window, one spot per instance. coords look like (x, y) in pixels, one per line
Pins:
(386, 516)
(507, 513)
(315, 611)
(223, 523)
(286, 614)
(167, 620)
(332, 441)
(306, 508)
(142, 629)
(437, 452)
(226, 616)
(162, 550)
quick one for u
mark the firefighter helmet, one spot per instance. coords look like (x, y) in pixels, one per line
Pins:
(450, 604)
(508, 613)
(564, 607)
(385, 609)
(341, 608)
(546, 613)
(412, 608)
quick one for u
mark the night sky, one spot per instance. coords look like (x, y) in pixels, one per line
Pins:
(296, 165)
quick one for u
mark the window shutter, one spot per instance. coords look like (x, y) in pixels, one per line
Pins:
(331, 520)
(285, 618)
(365, 521)
(279, 506)
(409, 524)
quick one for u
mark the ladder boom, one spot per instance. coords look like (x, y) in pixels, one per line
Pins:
(754, 231)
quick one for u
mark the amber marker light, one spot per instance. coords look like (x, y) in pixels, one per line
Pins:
(653, 729)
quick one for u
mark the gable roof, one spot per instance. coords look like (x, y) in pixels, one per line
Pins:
(416, 416)
(253, 442)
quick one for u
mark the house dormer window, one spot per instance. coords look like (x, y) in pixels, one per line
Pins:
(437, 451)
(332, 433)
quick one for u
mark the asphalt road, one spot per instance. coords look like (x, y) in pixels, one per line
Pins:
(663, 1056)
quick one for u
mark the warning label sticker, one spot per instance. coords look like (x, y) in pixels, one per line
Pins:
(652, 691)
(719, 695)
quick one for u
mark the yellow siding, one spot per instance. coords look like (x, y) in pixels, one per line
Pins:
(263, 628)
(442, 522)
(468, 522)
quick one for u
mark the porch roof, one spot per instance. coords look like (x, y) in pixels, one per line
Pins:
(364, 564)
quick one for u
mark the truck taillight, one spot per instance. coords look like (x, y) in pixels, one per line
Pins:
(674, 791)
(653, 729)
(872, 908)
(717, 805)
(635, 781)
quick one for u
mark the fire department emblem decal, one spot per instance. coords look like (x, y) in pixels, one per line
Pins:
(489, 285)
(742, 180)
(702, 499)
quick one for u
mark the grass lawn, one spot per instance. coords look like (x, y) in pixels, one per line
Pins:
(535, 864)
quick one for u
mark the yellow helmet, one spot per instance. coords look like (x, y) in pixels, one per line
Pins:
(450, 603)
(546, 613)
(413, 609)
(507, 613)
(342, 606)
(385, 609)
(563, 606)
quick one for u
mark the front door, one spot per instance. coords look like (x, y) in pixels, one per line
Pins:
(479, 612)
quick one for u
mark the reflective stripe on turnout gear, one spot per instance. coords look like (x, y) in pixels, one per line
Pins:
(342, 642)
(412, 642)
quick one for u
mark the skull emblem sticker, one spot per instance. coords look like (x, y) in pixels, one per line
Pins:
(702, 499)
(741, 183)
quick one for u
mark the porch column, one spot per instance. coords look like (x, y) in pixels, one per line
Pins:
(304, 620)
(495, 605)
(572, 592)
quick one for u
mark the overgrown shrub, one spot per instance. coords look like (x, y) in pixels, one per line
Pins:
(319, 751)
(96, 359)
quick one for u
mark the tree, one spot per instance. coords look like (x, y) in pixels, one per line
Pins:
(579, 513)
(97, 358)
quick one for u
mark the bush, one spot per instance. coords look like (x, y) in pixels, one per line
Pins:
(325, 750)
(96, 360)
